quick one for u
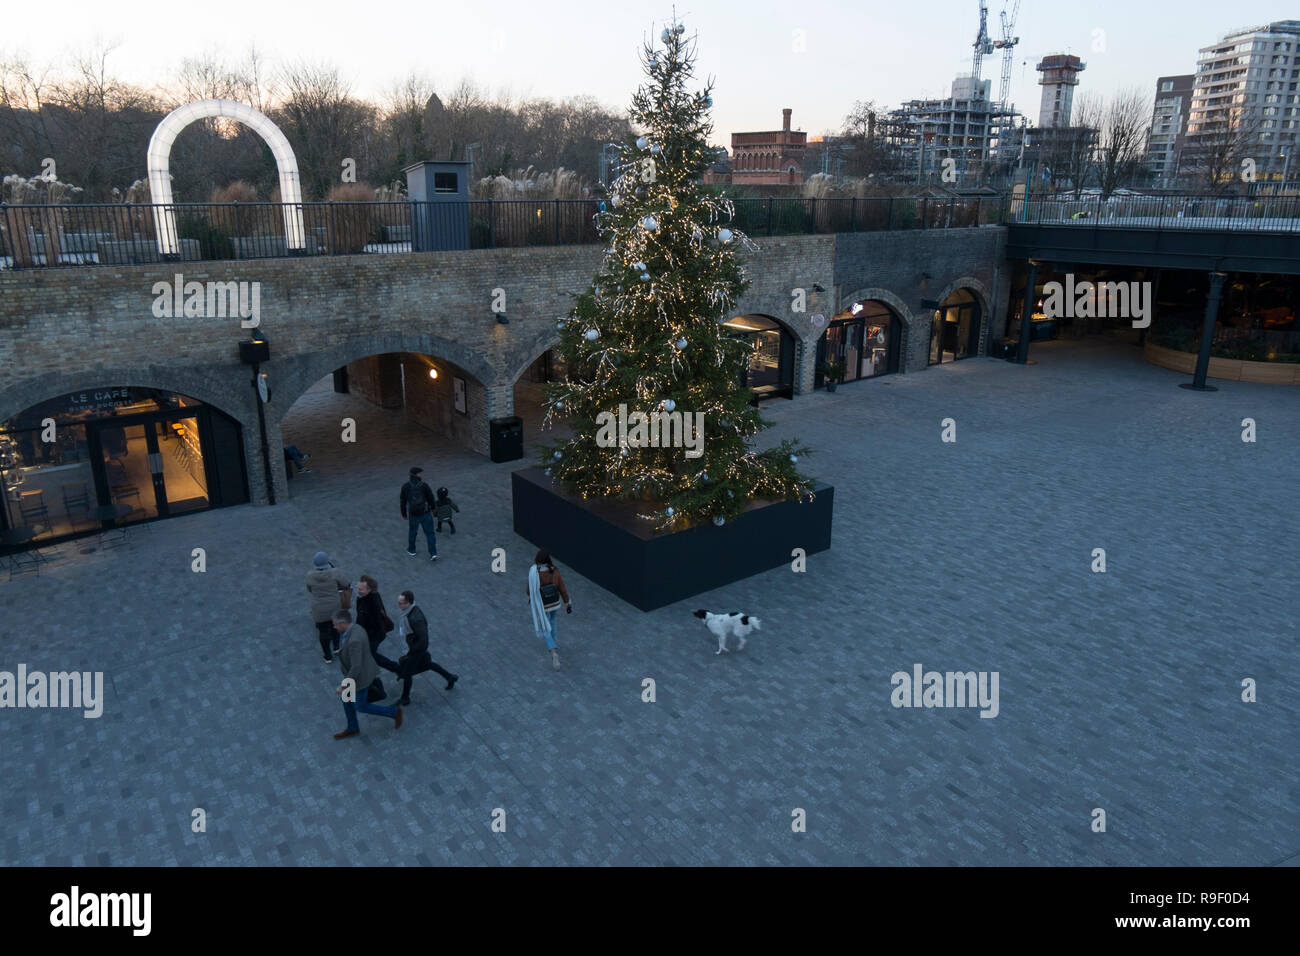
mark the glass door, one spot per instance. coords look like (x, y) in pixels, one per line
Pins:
(180, 477)
(127, 475)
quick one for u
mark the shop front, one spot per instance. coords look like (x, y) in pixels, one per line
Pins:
(955, 328)
(861, 342)
(90, 459)
(769, 370)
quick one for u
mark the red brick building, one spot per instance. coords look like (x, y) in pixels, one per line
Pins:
(771, 157)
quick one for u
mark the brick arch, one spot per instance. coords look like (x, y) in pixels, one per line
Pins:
(978, 288)
(292, 376)
(541, 345)
(912, 325)
(233, 398)
(982, 297)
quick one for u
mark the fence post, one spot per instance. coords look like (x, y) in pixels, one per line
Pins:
(769, 215)
(925, 205)
(492, 236)
(235, 239)
(889, 215)
(334, 246)
(557, 222)
(853, 214)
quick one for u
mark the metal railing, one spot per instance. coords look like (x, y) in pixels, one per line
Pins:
(1165, 212)
(38, 236)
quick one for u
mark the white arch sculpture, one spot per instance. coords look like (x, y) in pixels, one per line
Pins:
(159, 162)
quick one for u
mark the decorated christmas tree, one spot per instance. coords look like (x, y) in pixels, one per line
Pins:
(655, 394)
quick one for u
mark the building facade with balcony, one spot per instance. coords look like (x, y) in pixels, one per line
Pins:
(1245, 103)
(1165, 142)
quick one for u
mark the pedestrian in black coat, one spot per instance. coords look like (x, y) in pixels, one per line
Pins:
(370, 611)
(412, 624)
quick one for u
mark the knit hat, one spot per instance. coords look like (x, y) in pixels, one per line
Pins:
(322, 560)
(415, 471)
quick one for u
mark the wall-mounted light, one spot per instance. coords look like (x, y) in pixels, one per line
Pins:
(433, 373)
(856, 308)
(502, 318)
(817, 288)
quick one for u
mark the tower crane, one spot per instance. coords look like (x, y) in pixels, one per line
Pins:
(1008, 46)
(983, 47)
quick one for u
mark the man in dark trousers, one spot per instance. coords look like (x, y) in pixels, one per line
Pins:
(417, 508)
(412, 624)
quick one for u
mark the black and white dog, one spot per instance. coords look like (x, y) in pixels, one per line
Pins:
(733, 623)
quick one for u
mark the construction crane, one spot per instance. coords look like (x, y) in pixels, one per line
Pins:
(1008, 47)
(983, 47)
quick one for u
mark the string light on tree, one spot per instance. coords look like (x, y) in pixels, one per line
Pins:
(615, 337)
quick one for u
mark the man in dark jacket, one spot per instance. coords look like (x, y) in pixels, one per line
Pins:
(417, 508)
(412, 624)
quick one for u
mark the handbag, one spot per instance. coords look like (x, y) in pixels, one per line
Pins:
(376, 691)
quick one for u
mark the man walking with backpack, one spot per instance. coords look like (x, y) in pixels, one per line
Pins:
(417, 508)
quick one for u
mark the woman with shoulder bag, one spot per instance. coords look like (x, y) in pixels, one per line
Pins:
(546, 591)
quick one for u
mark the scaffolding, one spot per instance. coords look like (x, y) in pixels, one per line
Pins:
(966, 127)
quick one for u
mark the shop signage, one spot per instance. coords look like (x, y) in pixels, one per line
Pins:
(99, 400)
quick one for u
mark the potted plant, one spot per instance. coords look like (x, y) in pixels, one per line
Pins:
(832, 372)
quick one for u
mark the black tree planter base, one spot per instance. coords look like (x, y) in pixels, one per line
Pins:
(606, 543)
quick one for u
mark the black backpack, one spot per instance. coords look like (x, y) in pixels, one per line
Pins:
(417, 498)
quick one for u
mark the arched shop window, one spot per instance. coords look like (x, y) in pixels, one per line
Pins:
(770, 369)
(955, 328)
(864, 339)
(122, 454)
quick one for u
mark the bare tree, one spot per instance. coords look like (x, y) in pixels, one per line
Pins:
(325, 126)
(865, 141)
(1121, 137)
(1215, 152)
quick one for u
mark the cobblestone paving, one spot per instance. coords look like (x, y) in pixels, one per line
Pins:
(1118, 690)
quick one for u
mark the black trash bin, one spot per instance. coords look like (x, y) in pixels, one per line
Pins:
(506, 438)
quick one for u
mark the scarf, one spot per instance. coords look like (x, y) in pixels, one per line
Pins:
(541, 623)
(403, 625)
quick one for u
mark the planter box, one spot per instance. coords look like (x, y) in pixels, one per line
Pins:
(605, 542)
(1235, 370)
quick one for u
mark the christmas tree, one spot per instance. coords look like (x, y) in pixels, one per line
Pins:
(655, 393)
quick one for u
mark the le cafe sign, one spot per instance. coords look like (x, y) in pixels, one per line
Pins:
(105, 398)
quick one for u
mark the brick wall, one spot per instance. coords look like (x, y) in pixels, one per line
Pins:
(378, 379)
(68, 329)
(430, 402)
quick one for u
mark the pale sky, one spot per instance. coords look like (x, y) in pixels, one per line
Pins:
(886, 52)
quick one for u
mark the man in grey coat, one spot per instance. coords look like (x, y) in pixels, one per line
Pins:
(359, 666)
(329, 589)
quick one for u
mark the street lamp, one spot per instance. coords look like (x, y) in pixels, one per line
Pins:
(469, 157)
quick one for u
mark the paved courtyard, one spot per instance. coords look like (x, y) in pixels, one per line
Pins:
(1119, 691)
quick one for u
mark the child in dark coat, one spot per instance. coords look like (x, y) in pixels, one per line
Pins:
(443, 508)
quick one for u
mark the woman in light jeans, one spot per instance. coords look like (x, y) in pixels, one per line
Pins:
(542, 576)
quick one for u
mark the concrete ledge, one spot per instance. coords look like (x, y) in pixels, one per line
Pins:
(1233, 370)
